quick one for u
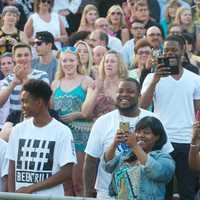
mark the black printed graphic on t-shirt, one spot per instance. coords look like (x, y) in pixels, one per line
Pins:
(34, 160)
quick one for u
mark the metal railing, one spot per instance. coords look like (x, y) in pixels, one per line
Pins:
(20, 196)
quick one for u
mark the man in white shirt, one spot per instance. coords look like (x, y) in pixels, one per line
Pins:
(176, 99)
(103, 133)
(41, 151)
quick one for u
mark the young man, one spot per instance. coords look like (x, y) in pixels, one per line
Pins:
(138, 32)
(13, 83)
(40, 150)
(176, 99)
(142, 13)
(103, 133)
(46, 61)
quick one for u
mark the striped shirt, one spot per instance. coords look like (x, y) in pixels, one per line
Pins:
(15, 103)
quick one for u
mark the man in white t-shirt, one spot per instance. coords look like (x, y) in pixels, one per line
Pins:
(175, 97)
(41, 151)
(103, 132)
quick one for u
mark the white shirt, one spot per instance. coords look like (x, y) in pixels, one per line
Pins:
(40, 152)
(72, 6)
(128, 52)
(173, 103)
(4, 110)
(101, 137)
(114, 43)
(3, 162)
(53, 26)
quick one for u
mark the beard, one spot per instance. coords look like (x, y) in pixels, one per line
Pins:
(127, 109)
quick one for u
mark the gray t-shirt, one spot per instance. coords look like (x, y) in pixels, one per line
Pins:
(49, 68)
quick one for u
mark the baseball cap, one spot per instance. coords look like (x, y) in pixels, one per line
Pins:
(46, 37)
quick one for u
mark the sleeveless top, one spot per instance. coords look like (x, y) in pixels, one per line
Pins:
(103, 105)
(8, 47)
(69, 102)
(118, 34)
(53, 26)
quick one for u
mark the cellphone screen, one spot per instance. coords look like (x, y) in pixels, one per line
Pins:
(124, 126)
(173, 64)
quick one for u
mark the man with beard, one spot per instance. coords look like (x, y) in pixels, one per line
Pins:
(103, 133)
(176, 99)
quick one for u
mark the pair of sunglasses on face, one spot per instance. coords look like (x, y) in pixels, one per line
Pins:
(38, 43)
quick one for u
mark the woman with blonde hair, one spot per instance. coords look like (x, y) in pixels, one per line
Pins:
(101, 98)
(69, 92)
(116, 19)
(184, 19)
(85, 54)
(89, 16)
(45, 20)
(170, 14)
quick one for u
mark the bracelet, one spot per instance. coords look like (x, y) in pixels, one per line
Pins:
(194, 145)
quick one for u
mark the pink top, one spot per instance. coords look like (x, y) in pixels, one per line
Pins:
(103, 105)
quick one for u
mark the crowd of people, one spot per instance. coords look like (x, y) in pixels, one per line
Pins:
(100, 98)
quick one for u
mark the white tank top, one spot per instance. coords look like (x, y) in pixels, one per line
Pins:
(53, 26)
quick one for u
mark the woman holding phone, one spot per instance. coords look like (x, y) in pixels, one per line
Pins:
(142, 170)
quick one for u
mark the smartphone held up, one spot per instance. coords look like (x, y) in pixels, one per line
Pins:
(124, 126)
(170, 62)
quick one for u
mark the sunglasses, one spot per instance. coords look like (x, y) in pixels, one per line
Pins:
(69, 49)
(38, 43)
(116, 13)
(46, 1)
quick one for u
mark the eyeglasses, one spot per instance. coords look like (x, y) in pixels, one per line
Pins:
(46, 1)
(137, 27)
(69, 49)
(154, 34)
(116, 13)
(143, 52)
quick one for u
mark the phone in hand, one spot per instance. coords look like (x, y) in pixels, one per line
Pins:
(170, 62)
(125, 127)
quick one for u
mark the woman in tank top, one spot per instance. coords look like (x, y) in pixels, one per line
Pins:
(9, 34)
(45, 20)
(69, 93)
(116, 20)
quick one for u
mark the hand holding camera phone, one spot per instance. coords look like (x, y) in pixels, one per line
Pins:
(170, 63)
(122, 136)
